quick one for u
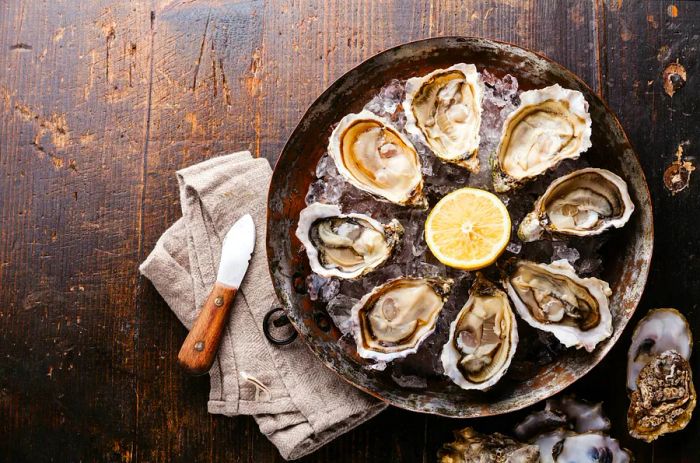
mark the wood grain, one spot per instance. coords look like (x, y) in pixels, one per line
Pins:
(103, 101)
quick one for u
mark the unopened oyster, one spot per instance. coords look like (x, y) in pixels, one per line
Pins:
(483, 338)
(660, 330)
(375, 157)
(550, 125)
(592, 447)
(345, 245)
(551, 297)
(664, 399)
(583, 203)
(443, 109)
(566, 412)
(395, 318)
(472, 447)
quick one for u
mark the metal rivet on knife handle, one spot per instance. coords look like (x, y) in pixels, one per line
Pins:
(199, 347)
(219, 301)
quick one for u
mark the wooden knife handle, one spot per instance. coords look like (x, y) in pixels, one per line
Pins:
(202, 343)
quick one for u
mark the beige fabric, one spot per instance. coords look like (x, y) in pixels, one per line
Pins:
(303, 404)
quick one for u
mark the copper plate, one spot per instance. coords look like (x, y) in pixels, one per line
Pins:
(627, 255)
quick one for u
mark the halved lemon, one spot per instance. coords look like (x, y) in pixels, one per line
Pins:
(468, 229)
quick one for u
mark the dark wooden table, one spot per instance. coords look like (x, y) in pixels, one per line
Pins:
(103, 100)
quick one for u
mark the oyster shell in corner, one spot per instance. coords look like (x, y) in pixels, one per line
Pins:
(472, 447)
(660, 330)
(591, 447)
(550, 125)
(665, 397)
(443, 109)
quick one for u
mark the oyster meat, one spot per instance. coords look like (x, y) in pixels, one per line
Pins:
(472, 447)
(345, 245)
(660, 330)
(443, 109)
(583, 203)
(551, 297)
(483, 338)
(550, 124)
(395, 318)
(375, 157)
(664, 399)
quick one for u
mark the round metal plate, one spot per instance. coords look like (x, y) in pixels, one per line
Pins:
(627, 254)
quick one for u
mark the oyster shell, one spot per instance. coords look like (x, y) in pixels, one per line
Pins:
(443, 109)
(483, 338)
(375, 157)
(345, 245)
(590, 447)
(583, 203)
(551, 297)
(393, 319)
(472, 447)
(660, 330)
(550, 124)
(566, 412)
(664, 399)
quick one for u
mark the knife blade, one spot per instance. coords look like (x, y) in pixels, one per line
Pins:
(202, 343)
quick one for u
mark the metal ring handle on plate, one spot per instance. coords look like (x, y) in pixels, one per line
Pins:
(278, 323)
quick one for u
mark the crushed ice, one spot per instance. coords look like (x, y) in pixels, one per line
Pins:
(501, 97)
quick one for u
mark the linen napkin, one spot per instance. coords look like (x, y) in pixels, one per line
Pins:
(298, 403)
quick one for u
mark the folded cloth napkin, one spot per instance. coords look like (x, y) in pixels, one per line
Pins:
(298, 403)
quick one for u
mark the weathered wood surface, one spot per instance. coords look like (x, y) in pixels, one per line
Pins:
(103, 100)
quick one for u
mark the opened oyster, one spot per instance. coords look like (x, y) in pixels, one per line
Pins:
(550, 125)
(664, 399)
(566, 412)
(482, 339)
(345, 245)
(443, 108)
(582, 203)
(375, 157)
(395, 318)
(566, 447)
(660, 330)
(553, 298)
(472, 447)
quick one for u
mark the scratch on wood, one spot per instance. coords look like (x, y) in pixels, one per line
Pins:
(58, 35)
(20, 47)
(201, 51)
(224, 83)
(109, 32)
(55, 125)
(252, 82)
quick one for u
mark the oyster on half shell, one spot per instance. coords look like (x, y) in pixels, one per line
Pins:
(550, 124)
(564, 412)
(375, 157)
(660, 330)
(664, 399)
(393, 319)
(483, 338)
(583, 203)
(345, 245)
(566, 447)
(551, 297)
(443, 109)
